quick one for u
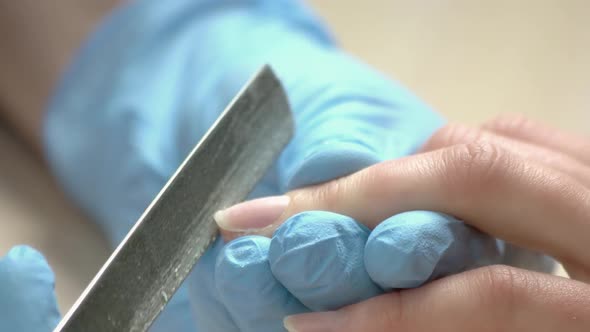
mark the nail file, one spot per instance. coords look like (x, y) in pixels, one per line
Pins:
(145, 270)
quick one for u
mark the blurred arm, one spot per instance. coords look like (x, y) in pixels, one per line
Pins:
(38, 40)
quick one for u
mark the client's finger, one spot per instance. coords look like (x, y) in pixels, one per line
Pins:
(494, 190)
(454, 134)
(527, 130)
(496, 298)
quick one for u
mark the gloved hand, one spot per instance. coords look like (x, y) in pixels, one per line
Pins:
(326, 260)
(156, 75)
(318, 261)
(27, 298)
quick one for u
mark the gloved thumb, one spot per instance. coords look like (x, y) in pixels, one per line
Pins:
(349, 118)
(27, 297)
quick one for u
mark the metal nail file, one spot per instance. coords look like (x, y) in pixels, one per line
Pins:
(145, 270)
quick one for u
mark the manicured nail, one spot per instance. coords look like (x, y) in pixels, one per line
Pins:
(252, 215)
(329, 321)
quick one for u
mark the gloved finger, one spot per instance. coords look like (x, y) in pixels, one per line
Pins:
(340, 131)
(471, 182)
(318, 257)
(411, 248)
(209, 310)
(252, 295)
(27, 297)
(530, 131)
(496, 298)
(454, 134)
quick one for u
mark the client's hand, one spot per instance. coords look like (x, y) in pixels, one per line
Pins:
(515, 180)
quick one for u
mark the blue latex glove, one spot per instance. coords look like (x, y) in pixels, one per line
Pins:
(27, 298)
(154, 77)
(323, 261)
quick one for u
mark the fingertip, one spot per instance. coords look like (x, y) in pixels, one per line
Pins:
(244, 263)
(30, 264)
(247, 251)
(27, 287)
(400, 252)
(422, 246)
(326, 250)
(254, 217)
(24, 254)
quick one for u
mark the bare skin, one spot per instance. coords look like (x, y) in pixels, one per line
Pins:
(38, 40)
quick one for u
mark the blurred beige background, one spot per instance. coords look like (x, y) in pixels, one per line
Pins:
(469, 59)
(474, 59)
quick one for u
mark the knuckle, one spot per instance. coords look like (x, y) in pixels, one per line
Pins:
(396, 316)
(474, 165)
(497, 289)
(403, 315)
(328, 194)
(505, 287)
(498, 283)
(452, 134)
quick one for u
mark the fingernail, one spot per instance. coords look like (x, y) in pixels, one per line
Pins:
(315, 322)
(252, 215)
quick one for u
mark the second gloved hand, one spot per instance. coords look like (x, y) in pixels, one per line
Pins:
(27, 296)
